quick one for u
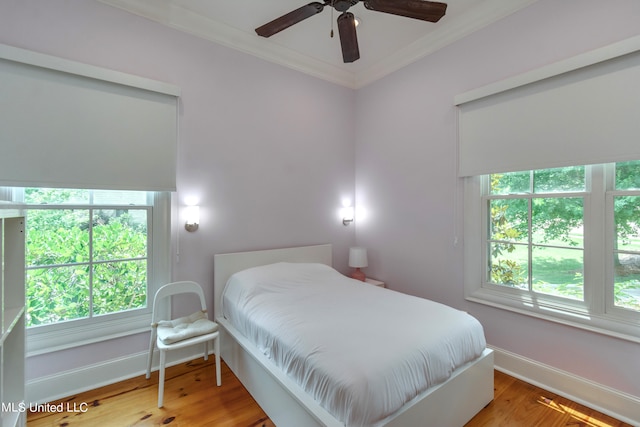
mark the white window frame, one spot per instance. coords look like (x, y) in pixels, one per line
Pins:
(597, 313)
(73, 333)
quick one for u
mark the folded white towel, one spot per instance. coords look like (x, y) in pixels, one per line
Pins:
(196, 324)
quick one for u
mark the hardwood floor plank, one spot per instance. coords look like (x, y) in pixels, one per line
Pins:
(519, 404)
(193, 400)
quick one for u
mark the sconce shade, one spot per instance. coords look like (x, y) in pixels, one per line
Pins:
(192, 218)
(347, 215)
(358, 257)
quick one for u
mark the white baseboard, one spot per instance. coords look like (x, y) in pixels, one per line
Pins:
(614, 403)
(69, 383)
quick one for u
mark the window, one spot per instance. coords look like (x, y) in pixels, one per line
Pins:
(70, 125)
(93, 258)
(563, 244)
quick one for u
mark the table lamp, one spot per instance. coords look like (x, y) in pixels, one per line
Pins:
(358, 260)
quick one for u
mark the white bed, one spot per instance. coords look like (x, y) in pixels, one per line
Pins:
(450, 403)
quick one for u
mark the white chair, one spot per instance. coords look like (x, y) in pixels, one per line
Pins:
(178, 333)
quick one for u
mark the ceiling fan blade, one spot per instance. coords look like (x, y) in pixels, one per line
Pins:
(348, 37)
(291, 18)
(430, 11)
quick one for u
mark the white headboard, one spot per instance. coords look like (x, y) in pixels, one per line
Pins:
(225, 265)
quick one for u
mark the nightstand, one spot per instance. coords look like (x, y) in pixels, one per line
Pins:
(374, 282)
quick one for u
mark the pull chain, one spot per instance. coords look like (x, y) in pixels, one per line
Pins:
(332, 1)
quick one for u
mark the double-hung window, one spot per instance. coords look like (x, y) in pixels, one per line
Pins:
(93, 259)
(551, 164)
(562, 244)
(95, 254)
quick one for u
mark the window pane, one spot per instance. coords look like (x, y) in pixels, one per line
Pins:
(628, 175)
(508, 265)
(510, 183)
(57, 294)
(627, 286)
(119, 234)
(59, 236)
(558, 271)
(509, 220)
(559, 180)
(558, 220)
(627, 220)
(119, 286)
(53, 196)
(627, 252)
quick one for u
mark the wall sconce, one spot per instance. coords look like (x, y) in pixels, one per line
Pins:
(347, 215)
(192, 218)
(358, 260)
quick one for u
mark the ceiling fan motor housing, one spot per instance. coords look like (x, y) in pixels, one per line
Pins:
(343, 5)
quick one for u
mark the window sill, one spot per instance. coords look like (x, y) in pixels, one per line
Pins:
(610, 326)
(51, 338)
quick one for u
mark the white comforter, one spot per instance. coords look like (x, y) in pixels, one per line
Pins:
(361, 351)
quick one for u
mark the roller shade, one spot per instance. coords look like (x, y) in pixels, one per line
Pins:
(585, 110)
(66, 124)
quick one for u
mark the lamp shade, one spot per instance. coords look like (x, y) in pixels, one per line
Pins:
(357, 257)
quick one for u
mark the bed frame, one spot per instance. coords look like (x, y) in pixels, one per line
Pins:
(452, 403)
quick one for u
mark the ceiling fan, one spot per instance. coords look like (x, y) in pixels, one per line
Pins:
(419, 9)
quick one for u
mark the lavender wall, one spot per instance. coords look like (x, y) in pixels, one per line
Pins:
(268, 152)
(406, 177)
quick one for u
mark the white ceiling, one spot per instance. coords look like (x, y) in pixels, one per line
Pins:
(387, 42)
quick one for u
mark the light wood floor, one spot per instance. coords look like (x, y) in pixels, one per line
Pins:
(192, 400)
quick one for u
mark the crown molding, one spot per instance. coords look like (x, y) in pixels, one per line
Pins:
(481, 16)
(182, 19)
(189, 22)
